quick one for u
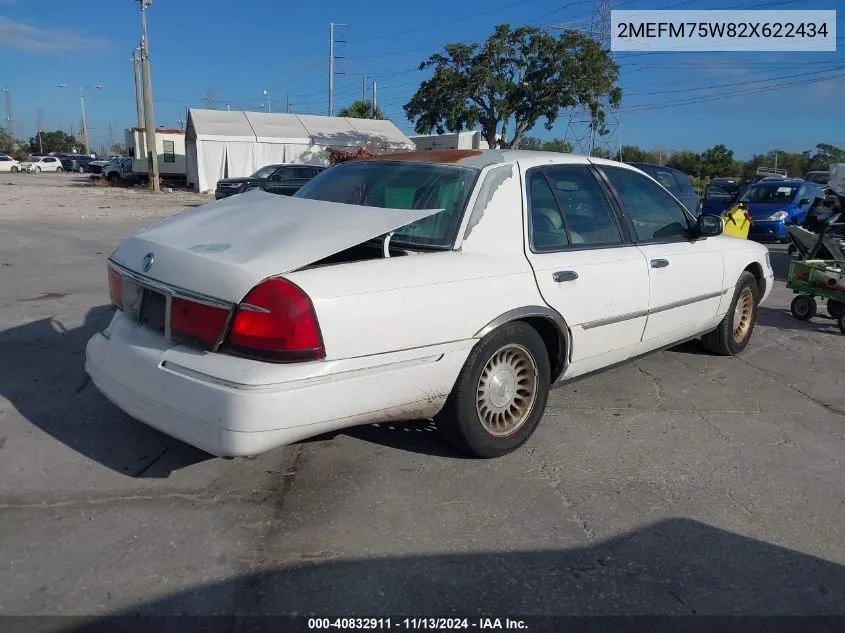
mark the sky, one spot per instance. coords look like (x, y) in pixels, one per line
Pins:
(234, 51)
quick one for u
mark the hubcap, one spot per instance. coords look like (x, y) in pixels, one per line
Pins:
(506, 390)
(743, 314)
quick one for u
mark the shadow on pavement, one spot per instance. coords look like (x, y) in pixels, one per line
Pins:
(783, 320)
(676, 567)
(42, 373)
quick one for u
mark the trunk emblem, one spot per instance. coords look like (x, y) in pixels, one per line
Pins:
(147, 262)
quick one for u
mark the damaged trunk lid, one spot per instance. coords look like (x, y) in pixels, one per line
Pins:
(223, 249)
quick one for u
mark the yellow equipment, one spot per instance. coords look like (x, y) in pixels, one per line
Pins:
(737, 221)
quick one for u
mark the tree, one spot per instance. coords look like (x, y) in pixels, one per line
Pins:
(557, 145)
(56, 141)
(530, 142)
(634, 154)
(688, 162)
(719, 161)
(361, 110)
(517, 76)
(825, 156)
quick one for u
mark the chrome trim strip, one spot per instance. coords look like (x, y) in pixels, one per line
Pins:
(686, 302)
(252, 308)
(617, 319)
(170, 292)
(535, 311)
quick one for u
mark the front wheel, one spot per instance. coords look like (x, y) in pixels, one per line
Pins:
(14, 169)
(734, 332)
(500, 394)
(803, 307)
(59, 170)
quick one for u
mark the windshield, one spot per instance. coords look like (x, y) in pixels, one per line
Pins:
(717, 193)
(33, 159)
(770, 193)
(397, 185)
(265, 172)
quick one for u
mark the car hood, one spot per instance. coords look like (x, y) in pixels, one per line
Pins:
(223, 249)
(232, 181)
(760, 210)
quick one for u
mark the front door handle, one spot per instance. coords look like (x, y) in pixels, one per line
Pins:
(564, 275)
(659, 263)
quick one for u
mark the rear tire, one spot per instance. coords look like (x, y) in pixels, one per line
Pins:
(803, 307)
(37, 170)
(113, 178)
(835, 308)
(81, 170)
(500, 394)
(734, 332)
(59, 170)
(841, 322)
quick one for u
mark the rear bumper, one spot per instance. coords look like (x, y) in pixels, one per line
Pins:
(229, 406)
(767, 230)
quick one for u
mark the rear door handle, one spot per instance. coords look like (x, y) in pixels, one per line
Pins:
(564, 275)
(659, 263)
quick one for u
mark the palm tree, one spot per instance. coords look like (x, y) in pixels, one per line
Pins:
(361, 110)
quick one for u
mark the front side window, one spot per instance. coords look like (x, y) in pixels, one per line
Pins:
(655, 215)
(399, 185)
(568, 208)
(265, 172)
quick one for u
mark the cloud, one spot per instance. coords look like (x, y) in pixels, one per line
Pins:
(20, 36)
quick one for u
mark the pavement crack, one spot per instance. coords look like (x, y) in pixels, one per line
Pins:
(654, 380)
(543, 470)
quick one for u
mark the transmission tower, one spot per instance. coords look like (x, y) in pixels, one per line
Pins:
(9, 119)
(211, 99)
(581, 130)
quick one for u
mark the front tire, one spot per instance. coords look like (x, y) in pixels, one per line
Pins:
(59, 170)
(14, 169)
(500, 394)
(734, 332)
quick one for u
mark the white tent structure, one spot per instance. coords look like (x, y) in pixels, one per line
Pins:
(224, 144)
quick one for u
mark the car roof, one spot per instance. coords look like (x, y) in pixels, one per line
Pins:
(793, 182)
(481, 158)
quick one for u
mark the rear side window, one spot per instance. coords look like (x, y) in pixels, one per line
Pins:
(655, 215)
(568, 208)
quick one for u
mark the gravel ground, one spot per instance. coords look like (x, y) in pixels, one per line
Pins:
(678, 484)
(72, 197)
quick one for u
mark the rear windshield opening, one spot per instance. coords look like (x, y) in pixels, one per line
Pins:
(398, 185)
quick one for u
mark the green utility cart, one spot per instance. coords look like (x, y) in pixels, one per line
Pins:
(817, 278)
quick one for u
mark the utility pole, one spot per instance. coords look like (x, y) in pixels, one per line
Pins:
(152, 155)
(84, 122)
(39, 123)
(375, 104)
(139, 104)
(363, 87)
(267, 94)
(332, 57)
(287, 103)
(9, 118)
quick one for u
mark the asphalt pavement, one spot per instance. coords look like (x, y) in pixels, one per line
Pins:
(681, 483)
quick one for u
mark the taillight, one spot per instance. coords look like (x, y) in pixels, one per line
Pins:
(116, 288)
(276, 322)
(198, 323)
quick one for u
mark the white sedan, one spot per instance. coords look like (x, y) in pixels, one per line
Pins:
(457, 285)
(37, 164)
(7, 163)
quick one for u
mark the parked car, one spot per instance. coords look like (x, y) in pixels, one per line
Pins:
(718, 198)
(774, 203)
(454, 284)
(96, 167)
(280, 179)
(75, 163)
(118, 170)
(676, 182)
(820, 178)
(37, 164)
(7, 163)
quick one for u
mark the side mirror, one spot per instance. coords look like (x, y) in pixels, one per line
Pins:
(710, 225)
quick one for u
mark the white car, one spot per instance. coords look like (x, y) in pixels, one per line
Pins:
(457, 284)
(37, 164)
(7, 163)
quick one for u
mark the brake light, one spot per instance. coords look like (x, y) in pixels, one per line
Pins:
(276, 322)
(116, 288)
(198, 323)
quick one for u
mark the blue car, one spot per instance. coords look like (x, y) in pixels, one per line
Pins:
(772, 204)
(719, 198)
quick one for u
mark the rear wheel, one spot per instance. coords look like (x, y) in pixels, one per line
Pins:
(841, 322)
(792, 251)
(500, 394)
(734, 332)
(803, 307)
(835, 308)
(37, 170)
(81, 170)
(113, 178)
(59, 170)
